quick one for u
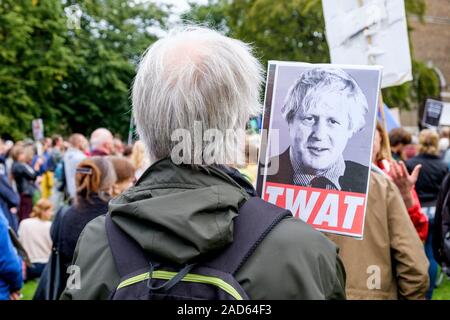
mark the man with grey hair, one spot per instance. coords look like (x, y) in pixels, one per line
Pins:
(102, 142)
(194, 215)
(323, 109)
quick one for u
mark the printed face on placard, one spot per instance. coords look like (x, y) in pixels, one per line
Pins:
(320, 133)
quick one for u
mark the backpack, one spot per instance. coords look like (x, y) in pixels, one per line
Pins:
(51, 284)
(145, 277)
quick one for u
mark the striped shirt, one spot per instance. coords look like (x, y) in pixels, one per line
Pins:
(304, 176)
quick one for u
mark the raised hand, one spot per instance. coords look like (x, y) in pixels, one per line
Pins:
(403, 180)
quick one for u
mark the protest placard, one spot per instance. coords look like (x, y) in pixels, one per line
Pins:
(432, 113)
(445, 115)
(37, 126)
(315, 160)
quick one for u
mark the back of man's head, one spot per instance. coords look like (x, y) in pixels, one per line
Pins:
(195, 77)
(100, 137)
(399, 136)
(78, 141)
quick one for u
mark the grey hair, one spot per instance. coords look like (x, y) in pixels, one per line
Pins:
(100, 136)
(195, 74)
(313, 83)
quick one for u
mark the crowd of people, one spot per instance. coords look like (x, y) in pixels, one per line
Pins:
(39, 179)
(68, 201)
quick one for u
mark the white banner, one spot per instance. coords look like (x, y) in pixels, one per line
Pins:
(370, 32)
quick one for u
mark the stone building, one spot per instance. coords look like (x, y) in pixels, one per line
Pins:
(430, 42)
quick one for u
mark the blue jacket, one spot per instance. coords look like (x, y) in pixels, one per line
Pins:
(10, 263)
(8, 199)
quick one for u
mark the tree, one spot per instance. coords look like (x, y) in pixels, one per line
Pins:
(294, 30)
(33, 62)
(112, 36)
(279, 30)
(76, 79)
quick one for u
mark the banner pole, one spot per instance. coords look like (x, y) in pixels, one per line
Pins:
(383, 119)
(131, 130)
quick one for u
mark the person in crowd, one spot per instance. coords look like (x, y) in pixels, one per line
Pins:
(102, 142)
(323, 109)
(389, 262)
(399, 138)
(11, 278)
(444, 141)
(44, 147)
(72, 157)
(124, 174)
(9, 198)
(25, 177)
(139, 159)
(127, 151)
(433, 168)
(118, 147)
(410, 151)
(52, 155)
(9, 161)
(56, 152)
(441, 228)
(184, 212)
(34, 234)
(428, 184)
(404, 181)
(94, 180)
(55, 165)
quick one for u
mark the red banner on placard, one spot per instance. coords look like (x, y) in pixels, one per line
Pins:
(326, 210)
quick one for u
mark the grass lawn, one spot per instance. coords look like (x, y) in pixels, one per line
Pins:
(443, 291)
(440, 293)
(28, 290)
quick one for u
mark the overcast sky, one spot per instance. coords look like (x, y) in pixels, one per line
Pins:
(180, 5)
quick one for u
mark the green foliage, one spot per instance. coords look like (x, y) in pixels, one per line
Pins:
(294, 31)
(442, 291)
(279, 30)
(75, 79)
(112, 36)
(33, 61)
(212, 15)
(79, 79)
(416, 7)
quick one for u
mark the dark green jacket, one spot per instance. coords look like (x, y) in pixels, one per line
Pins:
(180, 214)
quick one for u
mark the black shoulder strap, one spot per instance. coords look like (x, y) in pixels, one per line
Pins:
(57, 226)
(128, 254)
(255, 220)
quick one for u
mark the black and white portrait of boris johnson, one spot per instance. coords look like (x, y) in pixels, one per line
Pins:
(323, 110)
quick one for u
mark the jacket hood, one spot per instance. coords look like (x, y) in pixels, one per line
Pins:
(180, 213)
